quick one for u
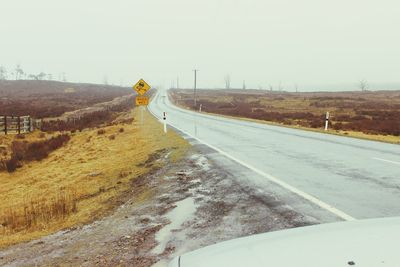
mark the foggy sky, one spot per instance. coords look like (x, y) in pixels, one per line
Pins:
(260, 41)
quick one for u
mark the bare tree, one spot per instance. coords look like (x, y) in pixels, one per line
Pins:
(271, 87)
(105, 80)
(363, 85)
(3, 73)
(19, 72)
(41, 75)
(280, 88)
(37, 77)
(227, 81)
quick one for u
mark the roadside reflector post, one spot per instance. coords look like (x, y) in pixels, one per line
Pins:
(327, 121)
(201, 105)
(165, 121)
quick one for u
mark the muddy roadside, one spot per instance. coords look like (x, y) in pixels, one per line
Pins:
(194, 203)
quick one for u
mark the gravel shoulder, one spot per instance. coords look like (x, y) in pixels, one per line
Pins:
(195, 202)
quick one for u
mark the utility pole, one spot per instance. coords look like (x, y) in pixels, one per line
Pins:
(195, 87)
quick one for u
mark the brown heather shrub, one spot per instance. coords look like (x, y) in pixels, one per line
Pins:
(24, 151)
(89, 120)
(13, 164)
(43, 99)
(112, 137)
(121, 130)
(349, 113)
(101, 131)
(20, 136)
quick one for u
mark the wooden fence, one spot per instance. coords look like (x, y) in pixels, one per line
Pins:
(15, 124)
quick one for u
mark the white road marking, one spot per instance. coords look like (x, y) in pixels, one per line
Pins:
(389, 161)
(273, 179)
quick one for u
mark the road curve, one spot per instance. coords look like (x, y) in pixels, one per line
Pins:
(347, 177)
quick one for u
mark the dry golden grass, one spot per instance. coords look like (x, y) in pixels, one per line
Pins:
(96, 168)
(37, 214)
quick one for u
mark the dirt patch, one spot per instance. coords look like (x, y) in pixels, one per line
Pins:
(220, 209)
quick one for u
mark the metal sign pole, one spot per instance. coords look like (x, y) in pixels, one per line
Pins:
(141, 87)
(141, 115)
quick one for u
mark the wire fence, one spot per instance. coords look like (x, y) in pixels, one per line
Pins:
(16, 124)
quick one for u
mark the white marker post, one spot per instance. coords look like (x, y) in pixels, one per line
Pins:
(201, 105)
(327, 121)
(165, 121)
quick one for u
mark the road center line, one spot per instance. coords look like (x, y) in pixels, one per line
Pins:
(389, 161)
(273, 179)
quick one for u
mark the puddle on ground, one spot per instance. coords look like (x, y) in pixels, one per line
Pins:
(184, 210)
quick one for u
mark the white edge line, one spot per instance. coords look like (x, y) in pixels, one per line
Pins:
(273, 179)
(389, 161)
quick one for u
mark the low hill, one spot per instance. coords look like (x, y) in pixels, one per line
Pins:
(42, 99)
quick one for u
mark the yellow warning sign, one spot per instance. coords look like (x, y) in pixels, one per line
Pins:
(141, 87)
(142, 101)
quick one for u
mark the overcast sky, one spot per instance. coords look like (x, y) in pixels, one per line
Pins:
(260, 41)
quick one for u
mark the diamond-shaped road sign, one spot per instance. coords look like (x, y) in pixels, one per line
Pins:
(141, 87)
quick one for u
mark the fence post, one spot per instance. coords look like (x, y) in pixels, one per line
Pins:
(5, 125)
(19, 125)
(29, 124)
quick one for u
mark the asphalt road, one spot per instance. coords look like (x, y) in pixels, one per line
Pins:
(345, 177)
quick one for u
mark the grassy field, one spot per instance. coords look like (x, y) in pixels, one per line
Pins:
(367, 115)
(83, 180)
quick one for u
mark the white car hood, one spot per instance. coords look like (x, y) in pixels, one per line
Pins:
(364, 243)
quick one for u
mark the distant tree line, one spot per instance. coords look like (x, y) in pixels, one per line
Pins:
(19, 74)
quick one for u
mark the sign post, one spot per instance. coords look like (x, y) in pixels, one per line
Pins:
(141, 87)
(141, 115)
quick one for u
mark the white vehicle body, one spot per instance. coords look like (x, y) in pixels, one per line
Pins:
(371, 243)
